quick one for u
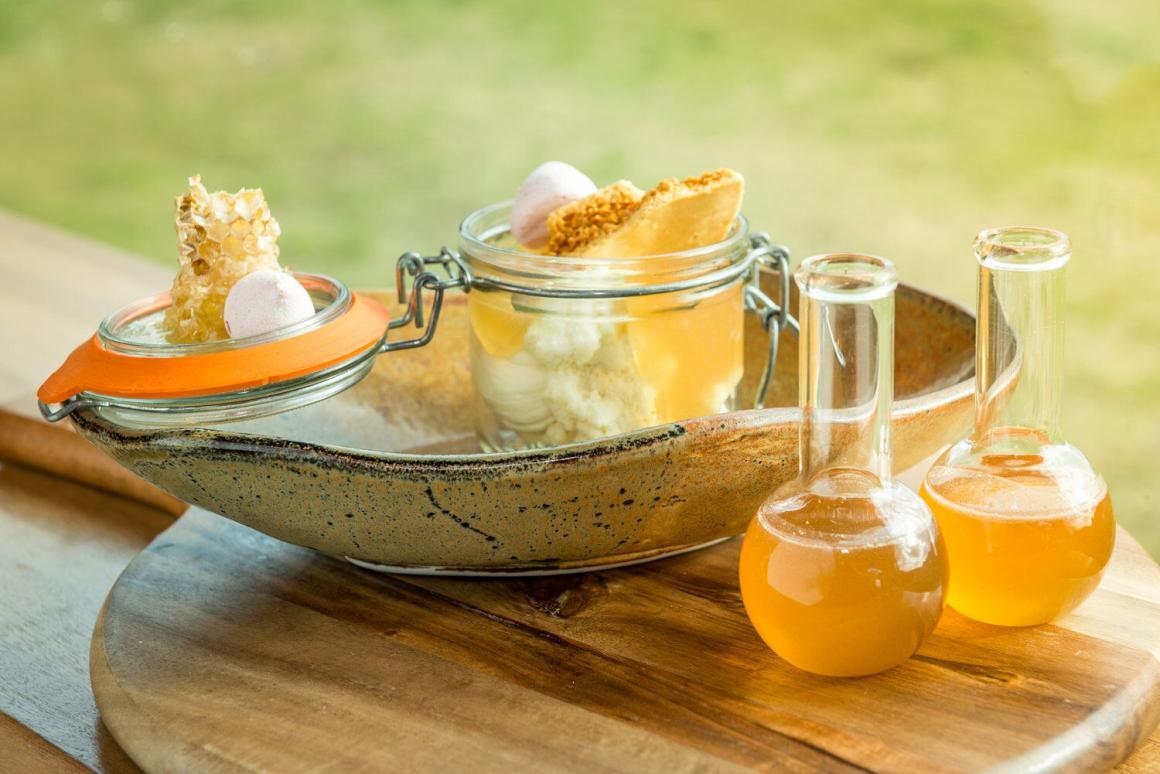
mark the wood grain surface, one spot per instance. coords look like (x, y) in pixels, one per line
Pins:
(62, 545)
(222, 648)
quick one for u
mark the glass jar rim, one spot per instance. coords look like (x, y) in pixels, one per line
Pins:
(846, 277)
(1022, 248)
(517, 270)
(251, 403)
(108, 331)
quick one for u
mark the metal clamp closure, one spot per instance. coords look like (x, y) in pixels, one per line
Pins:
(774, 316)
(434, 273)
(68, 406)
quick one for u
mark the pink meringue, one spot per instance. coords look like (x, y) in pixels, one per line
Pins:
(263, 301)
(549, 187)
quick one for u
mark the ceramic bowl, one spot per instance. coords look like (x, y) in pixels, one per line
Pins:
(388, 473)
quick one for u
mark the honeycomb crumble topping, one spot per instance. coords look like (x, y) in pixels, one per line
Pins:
(621, 221)
(575, 225)
(671, 187)
(221, 237)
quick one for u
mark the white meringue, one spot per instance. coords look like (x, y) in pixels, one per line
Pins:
(549, 187)
(263, 301)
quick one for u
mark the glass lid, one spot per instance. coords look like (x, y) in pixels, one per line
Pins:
(129, 367)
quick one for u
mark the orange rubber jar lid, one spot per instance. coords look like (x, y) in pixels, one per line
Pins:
(128, 364)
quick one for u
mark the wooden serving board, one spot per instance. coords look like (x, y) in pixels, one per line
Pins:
(222, 649)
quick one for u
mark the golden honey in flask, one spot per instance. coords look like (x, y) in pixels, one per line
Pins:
(842, 571)
(1028, 523)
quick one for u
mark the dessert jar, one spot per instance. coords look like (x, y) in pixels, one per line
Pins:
(566, 349)
(562, 350)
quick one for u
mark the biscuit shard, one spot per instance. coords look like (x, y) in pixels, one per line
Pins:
(617, 222)
(221, 238)
(579, 224)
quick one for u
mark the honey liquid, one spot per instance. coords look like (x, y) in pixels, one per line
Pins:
(692, 356)
(843, 586)
(1025, 545)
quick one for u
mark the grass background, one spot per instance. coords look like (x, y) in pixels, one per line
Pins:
(899, 128)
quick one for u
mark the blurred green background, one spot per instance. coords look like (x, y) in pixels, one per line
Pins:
(899, 128)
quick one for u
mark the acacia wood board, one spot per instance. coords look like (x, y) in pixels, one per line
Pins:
(222, 649)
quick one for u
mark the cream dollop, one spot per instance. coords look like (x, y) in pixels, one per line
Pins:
(574, 379)
(263, 301)
(549, 187)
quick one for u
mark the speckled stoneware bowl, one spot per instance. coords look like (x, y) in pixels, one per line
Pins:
(388, 473)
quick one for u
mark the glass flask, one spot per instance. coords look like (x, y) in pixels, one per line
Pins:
(1027, 522)
(842, 570)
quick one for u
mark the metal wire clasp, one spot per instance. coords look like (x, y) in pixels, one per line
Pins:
(435, 273)
(774, 316)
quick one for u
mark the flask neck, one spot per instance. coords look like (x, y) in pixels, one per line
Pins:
(1019, 334)
(846, 363)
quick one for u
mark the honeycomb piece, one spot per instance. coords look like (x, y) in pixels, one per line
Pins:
(221, 238)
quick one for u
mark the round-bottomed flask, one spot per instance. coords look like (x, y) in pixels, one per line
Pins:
(842, 571)
(1027, 522)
